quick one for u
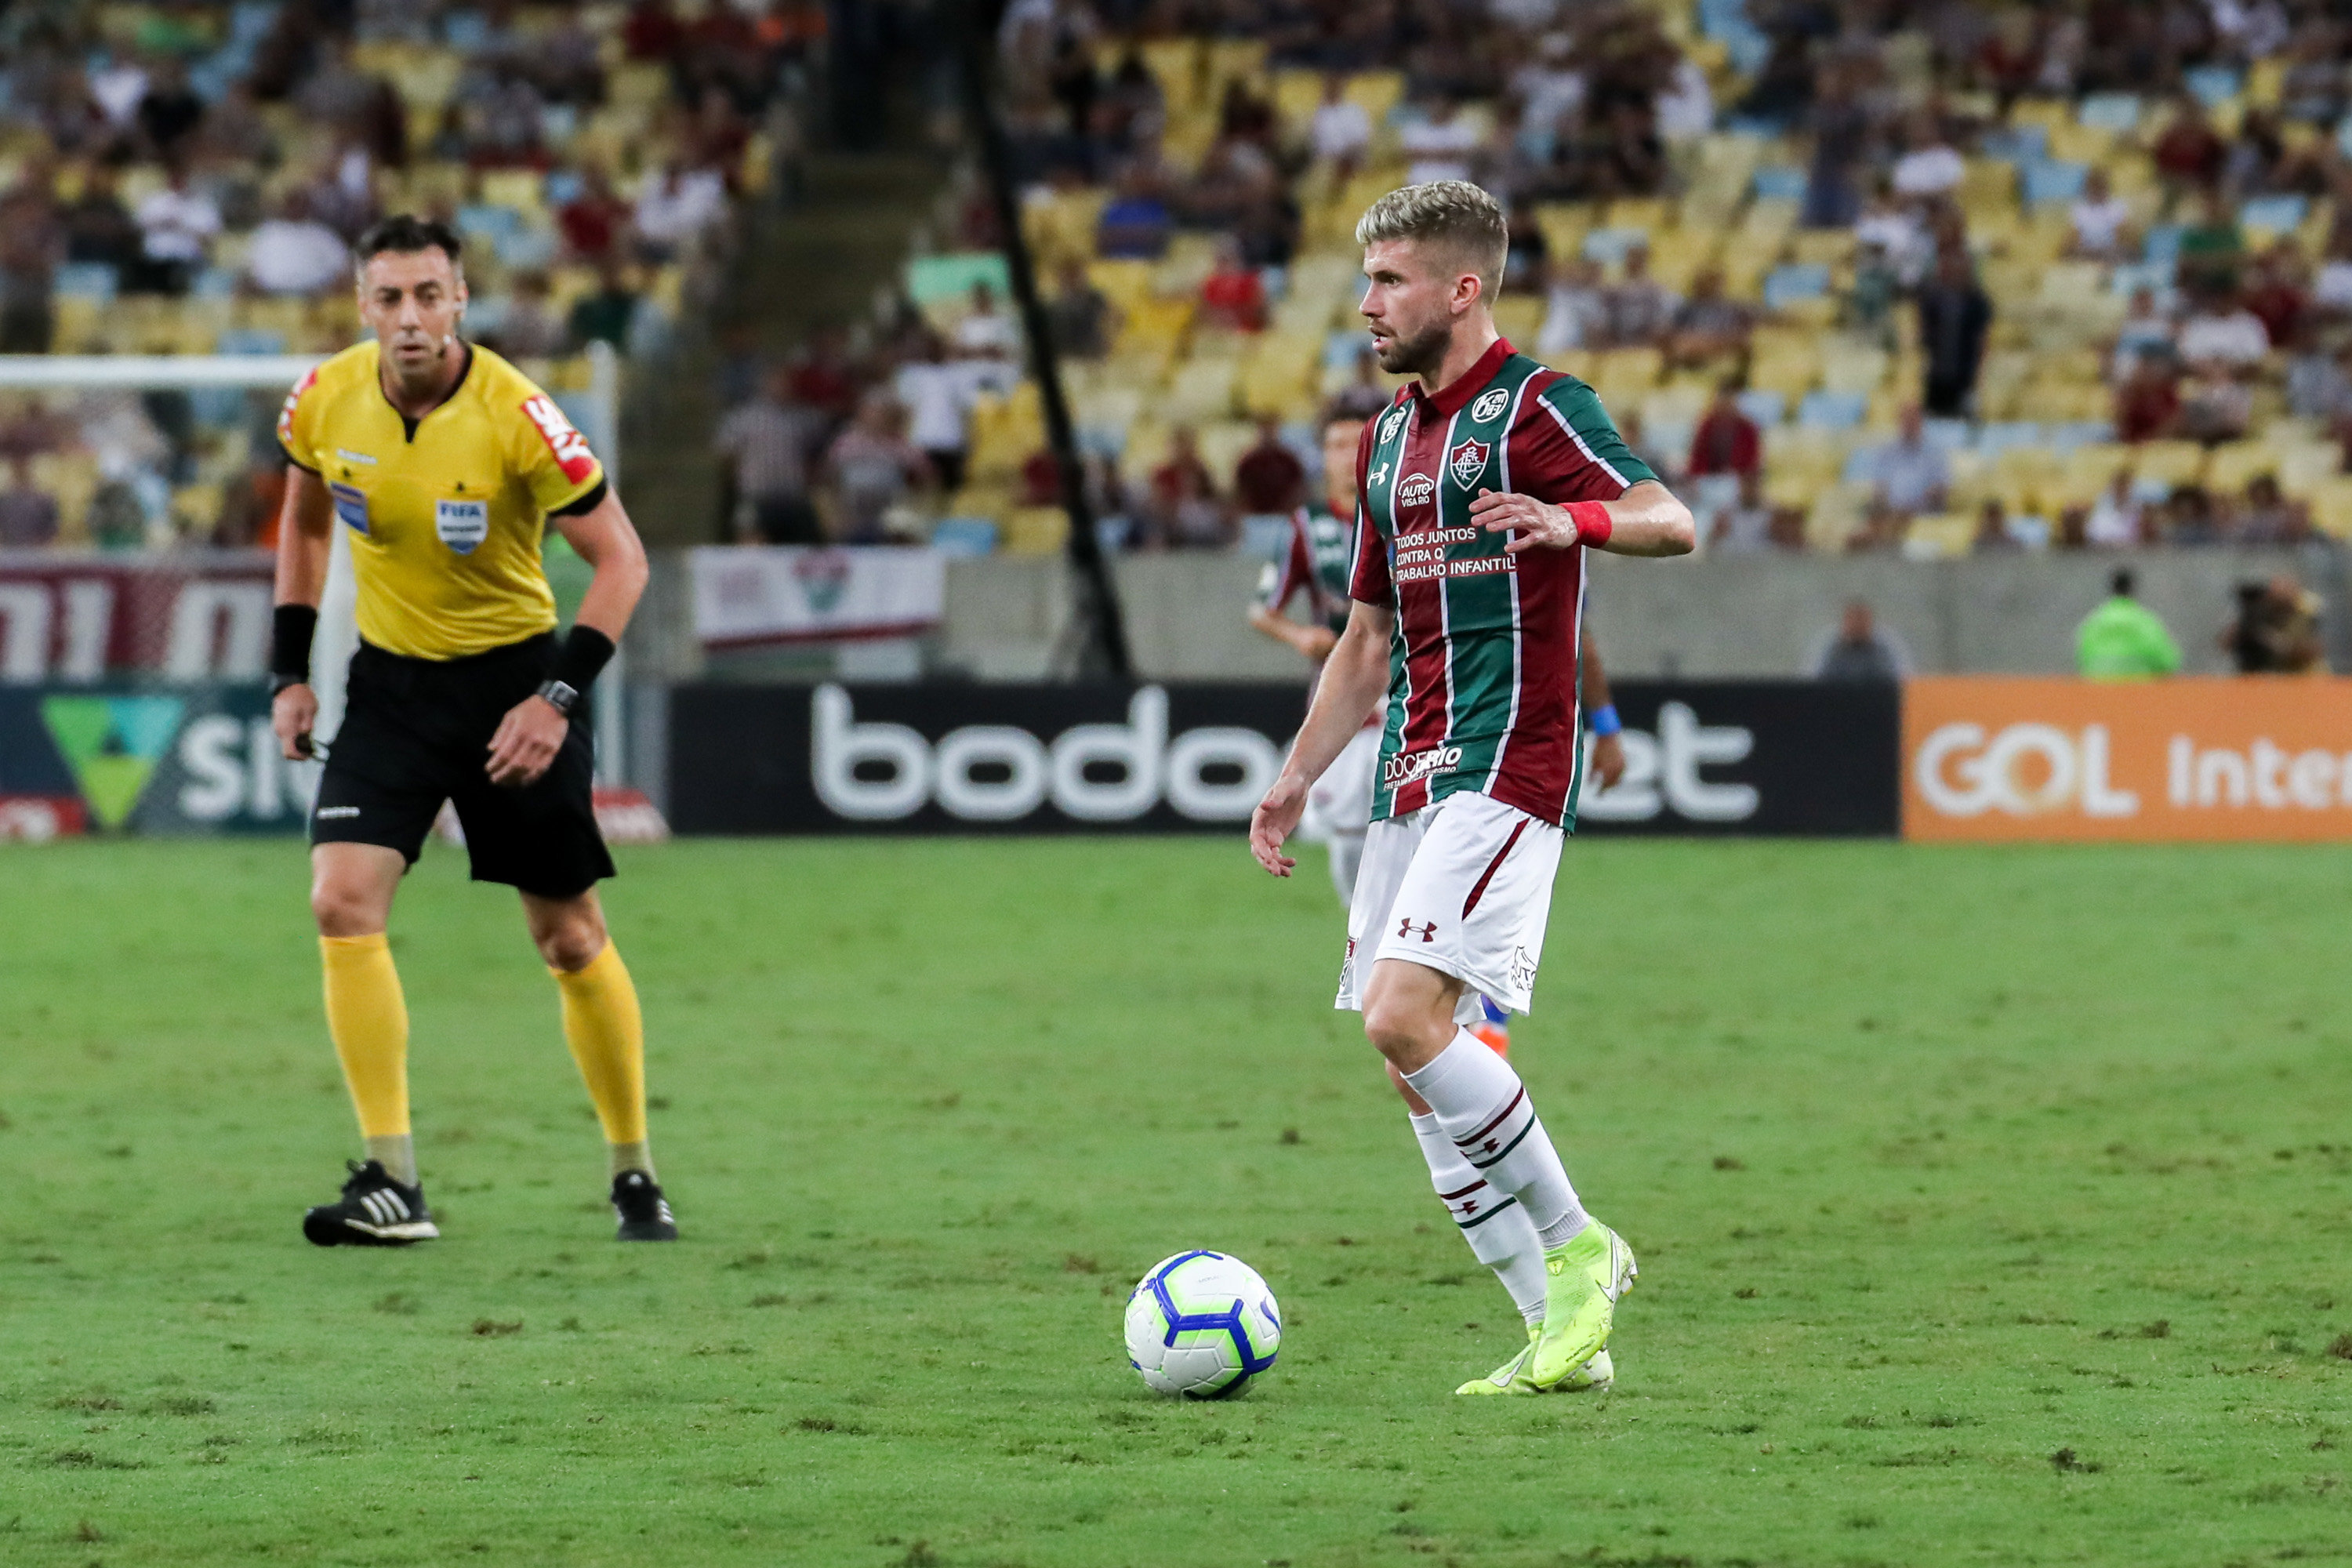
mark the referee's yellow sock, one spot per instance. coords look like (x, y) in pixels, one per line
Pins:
(368, 1018)
(607, 1036)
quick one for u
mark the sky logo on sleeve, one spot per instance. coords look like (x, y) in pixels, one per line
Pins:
(570, 446)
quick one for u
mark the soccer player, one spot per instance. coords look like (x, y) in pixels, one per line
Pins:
(1482, 486)
(1338, 811)
(447, 467)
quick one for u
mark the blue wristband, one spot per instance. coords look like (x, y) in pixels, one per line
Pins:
(1603, 720)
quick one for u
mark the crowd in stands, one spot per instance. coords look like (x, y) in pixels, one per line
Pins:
(1858, 274)
(189, 177)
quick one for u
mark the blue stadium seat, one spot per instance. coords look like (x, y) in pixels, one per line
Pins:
(964, 536)
(2280, 212)
(2213, 85)
(1779, 180)
(2043, 181)
(1785, 286)
(1833, 410)
(1762, 405)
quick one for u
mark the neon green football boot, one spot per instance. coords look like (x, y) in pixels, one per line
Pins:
(1583, 1279)
(1511, 1378)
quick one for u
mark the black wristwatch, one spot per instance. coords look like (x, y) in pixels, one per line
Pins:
(558, 695)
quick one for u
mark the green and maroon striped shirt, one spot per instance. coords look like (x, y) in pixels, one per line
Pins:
(1482, 666)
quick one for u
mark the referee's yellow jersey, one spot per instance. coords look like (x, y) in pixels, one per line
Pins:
(446, 514)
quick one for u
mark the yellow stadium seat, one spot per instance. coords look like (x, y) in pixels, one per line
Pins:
(1378, 92)
(2232, 463)
(1036, 530)
(1648, 213)
(1940, 536)
(2331, 507)
(1297, 94)
(2171, 462)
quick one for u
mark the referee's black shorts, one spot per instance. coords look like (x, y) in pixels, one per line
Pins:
(417, 731)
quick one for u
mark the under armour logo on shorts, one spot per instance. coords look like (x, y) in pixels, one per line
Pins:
(1428, 929)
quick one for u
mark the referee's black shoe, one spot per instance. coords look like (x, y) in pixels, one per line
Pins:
(643, 1211)
(374, 1210)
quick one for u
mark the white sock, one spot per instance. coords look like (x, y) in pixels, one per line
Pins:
(1495, 1225)
(1486, 1110)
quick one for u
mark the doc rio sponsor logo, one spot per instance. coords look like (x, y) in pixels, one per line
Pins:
(871, 771)
(1407, 767)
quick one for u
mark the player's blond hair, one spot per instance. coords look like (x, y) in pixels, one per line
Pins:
(1452, 213)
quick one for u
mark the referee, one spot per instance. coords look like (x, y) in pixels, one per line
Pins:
(445, 466)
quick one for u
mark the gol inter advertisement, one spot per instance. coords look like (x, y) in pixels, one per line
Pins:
(2171, 760)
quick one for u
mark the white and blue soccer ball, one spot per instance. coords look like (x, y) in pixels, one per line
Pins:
(1200, 1324)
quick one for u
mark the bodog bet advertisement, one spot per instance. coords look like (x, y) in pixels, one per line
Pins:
(2174, 761)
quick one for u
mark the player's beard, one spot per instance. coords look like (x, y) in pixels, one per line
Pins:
(1418, 354)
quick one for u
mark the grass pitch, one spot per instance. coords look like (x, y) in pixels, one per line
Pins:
(1991, 1208)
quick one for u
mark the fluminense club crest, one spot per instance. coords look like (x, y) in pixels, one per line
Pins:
(1467, 462)
(1490, 405)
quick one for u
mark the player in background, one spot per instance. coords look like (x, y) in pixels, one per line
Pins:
(1338, 810)
(1482, 486)
(446, 466)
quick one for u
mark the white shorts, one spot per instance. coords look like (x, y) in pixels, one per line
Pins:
(1339, 803)
(1463, 887)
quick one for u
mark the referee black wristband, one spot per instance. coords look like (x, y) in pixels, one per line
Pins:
(584, 654)
(291, 629)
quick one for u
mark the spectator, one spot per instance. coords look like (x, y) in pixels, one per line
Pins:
(1576, 312)
(606, 313)
(1910, 474)
(986, 331)
(1930, 166)
(1550, 91)
(2115, 520)
(1640, 308)
(2222, 333)
(1341, 131)
(2217, 403)
(2147, 332)
(766, 443)
(2188, 155)
(528, 329)
(2147, 404)
(821, 375)
(1745, 527)
(1859, 651)
(98, 227)
(2123, 640)
(2211, 249)
(1233, 297)
(2277, 292)
(293, 253)
(2268, 516)
(177, 226)
(1183, 511)
(1992, 536)
(1955, 313)
(872, 468)
(1269, 480)
(1367, 395)
(938, 394)
(1708, 325)
(2100, 221)
(2188, 516)
(1683, 109)
(29, 515)
(594, 219)
(675, 205)
(169, 111)
(1084, 320)
(1441, 145)
(2332, 291)
(31, 241)
(1135, 223)
(2276, 631)
(1727, 441)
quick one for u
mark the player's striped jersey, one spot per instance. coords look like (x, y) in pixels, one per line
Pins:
(1315, 562)
(1482, 666)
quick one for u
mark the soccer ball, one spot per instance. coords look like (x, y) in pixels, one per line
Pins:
(1201, 1325)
